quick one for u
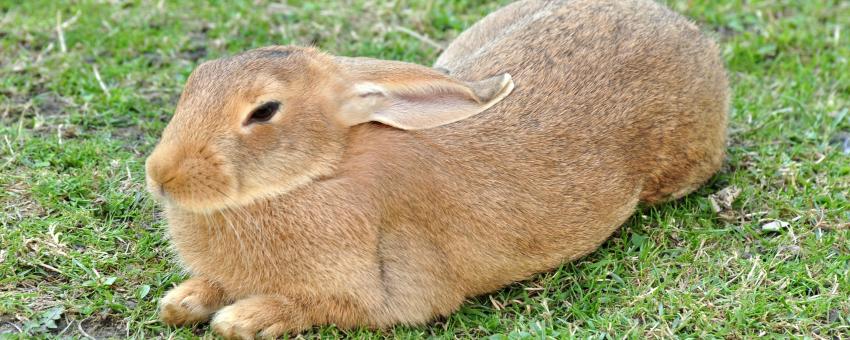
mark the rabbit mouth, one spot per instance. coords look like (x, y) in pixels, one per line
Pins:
(196, 193)
(191, 181)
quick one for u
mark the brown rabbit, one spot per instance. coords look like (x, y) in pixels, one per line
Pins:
(304, 189)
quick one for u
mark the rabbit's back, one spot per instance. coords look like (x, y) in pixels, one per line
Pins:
(622, 81)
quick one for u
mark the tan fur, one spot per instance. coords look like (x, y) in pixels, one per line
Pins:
(306, 220)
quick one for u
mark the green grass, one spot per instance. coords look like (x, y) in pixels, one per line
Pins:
(82, 246)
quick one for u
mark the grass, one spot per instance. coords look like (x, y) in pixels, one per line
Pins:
(82, 247)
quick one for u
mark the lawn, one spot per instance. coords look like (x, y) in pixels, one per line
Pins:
(87, 86)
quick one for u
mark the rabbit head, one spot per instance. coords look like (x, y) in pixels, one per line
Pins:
(266, 121)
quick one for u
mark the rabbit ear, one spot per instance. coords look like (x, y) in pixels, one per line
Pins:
(412, 102)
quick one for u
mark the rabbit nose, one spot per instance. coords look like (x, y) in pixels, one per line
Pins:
(160, 171)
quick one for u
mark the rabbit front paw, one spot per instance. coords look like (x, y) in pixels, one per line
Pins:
(192, 301)
(266, 317)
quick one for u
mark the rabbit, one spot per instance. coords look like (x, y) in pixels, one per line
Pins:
(304, 189)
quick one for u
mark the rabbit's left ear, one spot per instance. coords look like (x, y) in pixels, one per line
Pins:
(413, 97)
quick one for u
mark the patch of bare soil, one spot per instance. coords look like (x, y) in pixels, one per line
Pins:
(45, 105)
(104, 327)
(8, 325)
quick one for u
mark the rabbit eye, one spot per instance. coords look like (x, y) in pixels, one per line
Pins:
(263, 113)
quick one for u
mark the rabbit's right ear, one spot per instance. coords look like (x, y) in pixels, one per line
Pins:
(413, 97)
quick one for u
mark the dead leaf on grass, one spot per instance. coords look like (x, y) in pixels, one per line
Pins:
(774, 226)
(721, 202)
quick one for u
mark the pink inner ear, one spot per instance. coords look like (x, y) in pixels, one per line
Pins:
(413, 112)
(424, 103)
